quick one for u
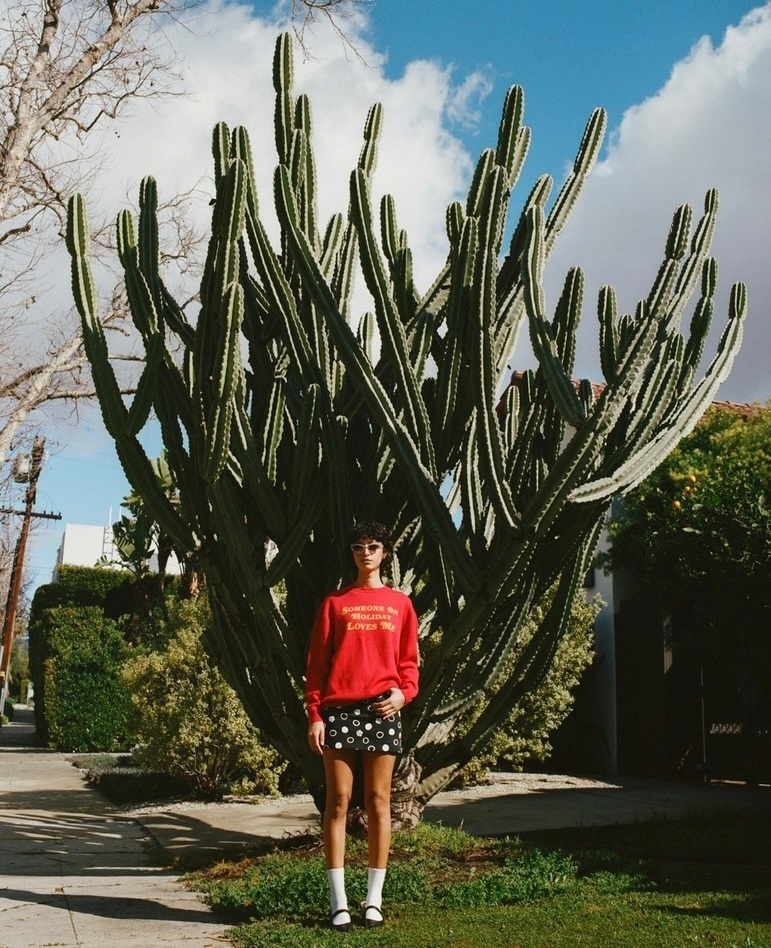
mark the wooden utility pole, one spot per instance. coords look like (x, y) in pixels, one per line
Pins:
(14, 586)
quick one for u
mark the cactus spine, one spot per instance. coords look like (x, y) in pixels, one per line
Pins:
(280, 425)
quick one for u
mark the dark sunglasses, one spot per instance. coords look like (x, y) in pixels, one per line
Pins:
(369, 547)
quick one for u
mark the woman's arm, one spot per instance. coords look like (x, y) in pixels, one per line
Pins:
(319, 660)
(316, 736)
(408, 653)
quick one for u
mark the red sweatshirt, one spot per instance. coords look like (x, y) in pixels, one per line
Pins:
(365, 641)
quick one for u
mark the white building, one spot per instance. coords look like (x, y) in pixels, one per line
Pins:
(87, 545)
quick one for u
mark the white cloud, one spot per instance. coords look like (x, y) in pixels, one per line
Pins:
(709, 126)
(227, 54)
(468, 98)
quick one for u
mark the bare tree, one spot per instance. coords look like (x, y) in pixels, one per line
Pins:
(306, 12)
(67, 70)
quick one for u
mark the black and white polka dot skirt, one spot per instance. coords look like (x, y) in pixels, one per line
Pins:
(357, 727)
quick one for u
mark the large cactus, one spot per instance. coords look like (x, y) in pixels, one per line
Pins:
(282, 424)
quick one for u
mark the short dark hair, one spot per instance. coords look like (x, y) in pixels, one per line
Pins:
(371, 530)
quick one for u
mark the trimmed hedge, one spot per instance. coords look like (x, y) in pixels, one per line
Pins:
(76, 587)
(86, 701)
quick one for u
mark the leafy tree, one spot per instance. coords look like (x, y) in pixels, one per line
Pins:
(67, 70)
(698, 530)
(698, 535)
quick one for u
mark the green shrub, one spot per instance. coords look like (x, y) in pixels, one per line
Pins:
(86, 701)
(90, 582)
(76, 586)
(188, 720)
(524, 735)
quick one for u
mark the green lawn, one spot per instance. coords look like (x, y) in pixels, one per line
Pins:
(699, 881)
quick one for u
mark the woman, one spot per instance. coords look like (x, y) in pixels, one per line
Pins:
(362, 670)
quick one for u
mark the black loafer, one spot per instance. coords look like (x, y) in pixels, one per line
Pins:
(373, 922)
(343, 926)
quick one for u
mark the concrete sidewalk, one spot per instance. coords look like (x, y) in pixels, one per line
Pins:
(513, 804)
(75, 870)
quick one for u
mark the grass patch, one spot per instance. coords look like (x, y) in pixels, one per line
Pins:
(638, 885)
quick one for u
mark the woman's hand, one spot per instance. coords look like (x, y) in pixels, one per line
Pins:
(390, 705)
(316, 737)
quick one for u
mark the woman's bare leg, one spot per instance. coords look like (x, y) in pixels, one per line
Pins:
(338, 767)
(378, 772)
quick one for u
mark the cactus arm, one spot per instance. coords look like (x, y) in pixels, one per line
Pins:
(390, 325)
(273, 430)
(138, 293)
(491, 449)
(545, 348)
(432, 505)
(220, 152)
(372, 129)
(283, 73)
(513, 139)
(227, 377)
(482, 172)
(692, 268)
(566, 318)
(451, 397)
(331, 245)
(219, 300)
(305, 463)
(637, 467)
(700, 323)
(470, 482)
(511, 308)
(84, 292)
(607, 310)
(147, 385)
(258, 485)
(149, 250)
(308, 194)
(586, 156)
(677, 241)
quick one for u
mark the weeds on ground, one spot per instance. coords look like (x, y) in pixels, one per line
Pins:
(431, 866)
(633, 887)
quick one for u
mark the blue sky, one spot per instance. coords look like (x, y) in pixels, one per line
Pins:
(442, 70)
(569, 57)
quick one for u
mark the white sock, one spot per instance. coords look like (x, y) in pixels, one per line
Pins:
(375, 892)
(337, 896)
